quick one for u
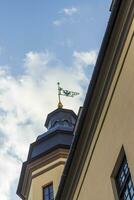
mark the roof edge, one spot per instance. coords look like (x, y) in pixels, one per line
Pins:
(90, 93)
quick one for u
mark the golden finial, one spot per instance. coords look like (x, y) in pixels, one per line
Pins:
(60, 105)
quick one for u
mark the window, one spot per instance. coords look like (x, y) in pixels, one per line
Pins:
(123, 180)
(48, 193)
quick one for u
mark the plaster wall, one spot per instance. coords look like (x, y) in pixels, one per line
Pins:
(45, 177)
(115, 128)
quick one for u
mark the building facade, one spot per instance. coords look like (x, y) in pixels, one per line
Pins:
(100, 165)
(101, 162)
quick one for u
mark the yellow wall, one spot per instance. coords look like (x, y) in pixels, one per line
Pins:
(39, 181)
(117, 130)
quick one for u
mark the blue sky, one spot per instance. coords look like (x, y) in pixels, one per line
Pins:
(29, 25)
(41, 43)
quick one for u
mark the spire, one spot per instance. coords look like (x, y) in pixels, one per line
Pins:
(66, 93)
(50, 149)
(60, 105)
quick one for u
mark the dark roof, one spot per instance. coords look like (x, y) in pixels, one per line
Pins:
(57, 111)
(112, 4)
(58, 137)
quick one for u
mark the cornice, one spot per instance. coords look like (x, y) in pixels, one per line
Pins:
(29, 167)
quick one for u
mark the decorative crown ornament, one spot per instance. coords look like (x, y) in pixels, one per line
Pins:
(66, 93)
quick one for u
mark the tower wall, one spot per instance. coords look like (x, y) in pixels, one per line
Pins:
(50, 173)
(42, 171)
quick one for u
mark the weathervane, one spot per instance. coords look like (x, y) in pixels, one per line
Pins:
(66, 93)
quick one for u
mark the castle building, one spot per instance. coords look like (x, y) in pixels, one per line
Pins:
(100, 164)
(41, 173)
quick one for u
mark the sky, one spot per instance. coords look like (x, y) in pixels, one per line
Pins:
(42, 43)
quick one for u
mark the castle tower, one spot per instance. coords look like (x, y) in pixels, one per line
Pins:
(41, 173)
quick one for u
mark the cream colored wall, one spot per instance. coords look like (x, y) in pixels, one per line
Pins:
(117, 130)
(52, 175)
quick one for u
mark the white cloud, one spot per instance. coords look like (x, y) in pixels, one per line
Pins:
(67, 12)
(70, 11)
(34, 59)
(9, 168)
(87, 58)
(25, 101)
(58, 22)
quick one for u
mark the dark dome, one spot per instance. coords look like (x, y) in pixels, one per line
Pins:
(60, 124)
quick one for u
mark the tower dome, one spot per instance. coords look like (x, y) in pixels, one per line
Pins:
(47, 155)
(60, 124)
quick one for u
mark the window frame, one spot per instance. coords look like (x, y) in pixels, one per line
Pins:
(116, 171)
(47, 186)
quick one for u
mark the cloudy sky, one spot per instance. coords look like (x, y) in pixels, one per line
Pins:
(41, 43)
